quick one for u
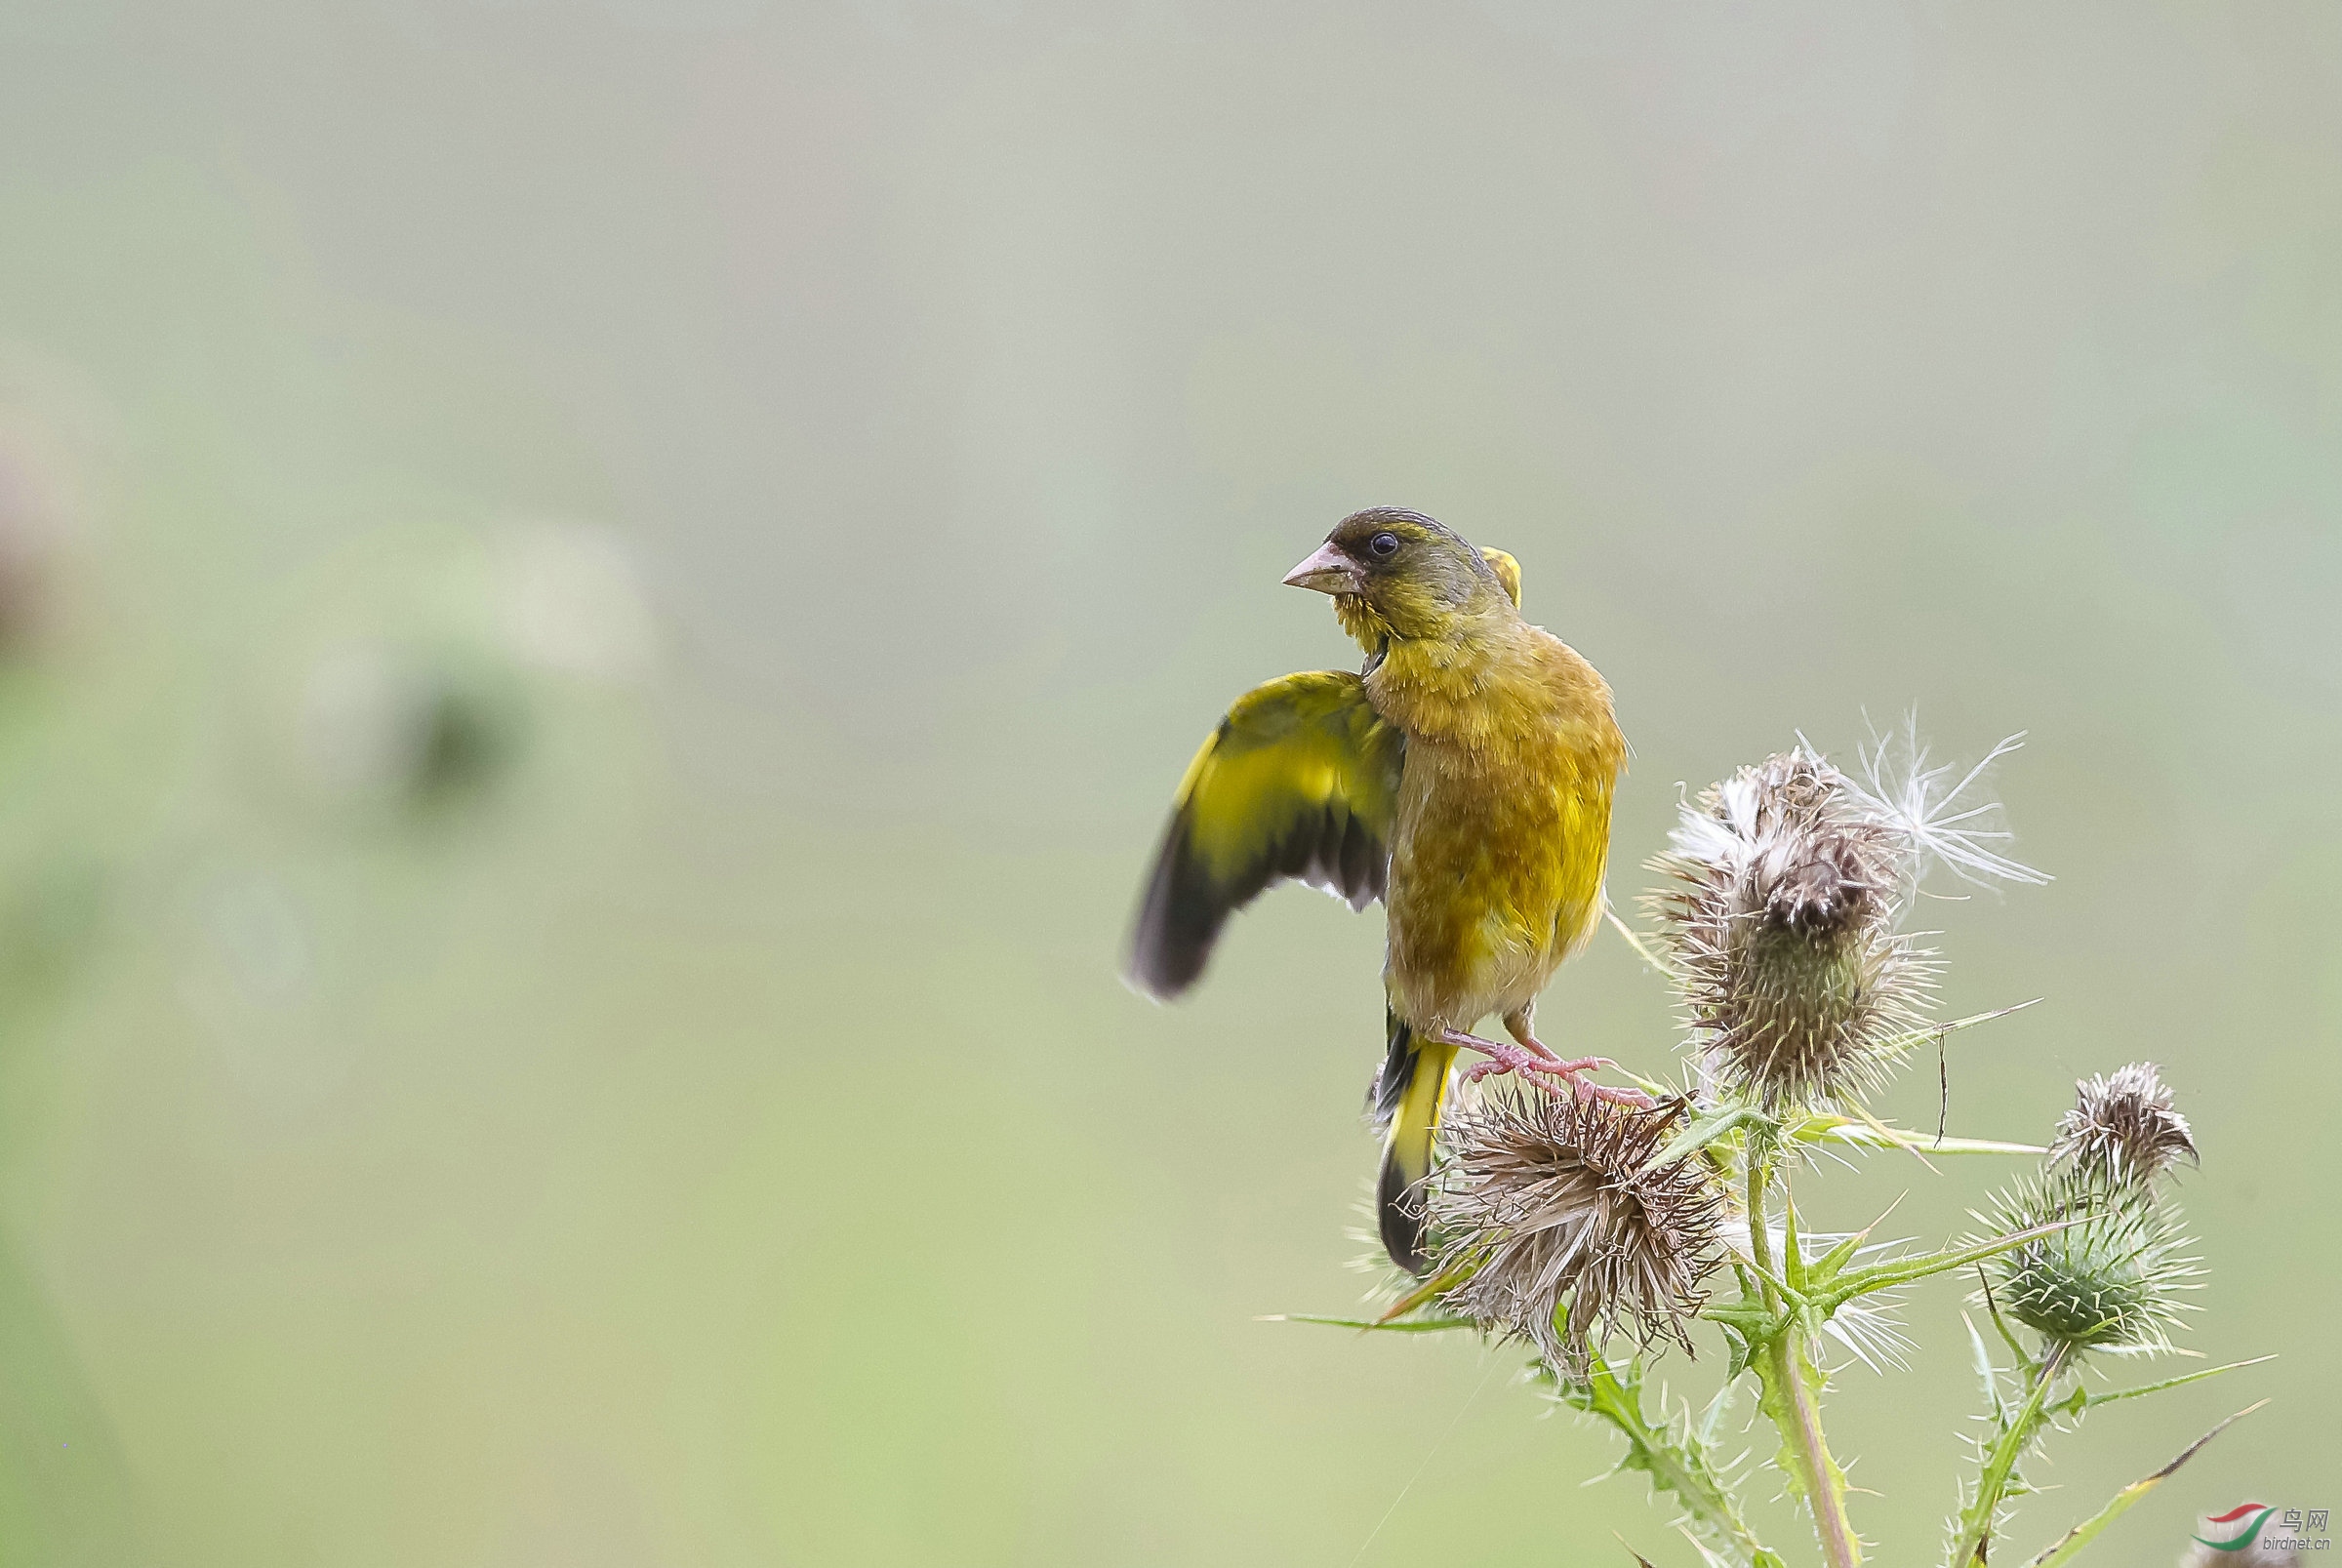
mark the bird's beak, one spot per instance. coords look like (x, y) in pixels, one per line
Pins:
(1329, 571)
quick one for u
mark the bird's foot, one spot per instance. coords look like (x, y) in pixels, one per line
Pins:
(1501, 1058)
(1533, 1062)
(1574, 1075)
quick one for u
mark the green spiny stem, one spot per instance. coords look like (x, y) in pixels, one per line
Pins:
(1760, 1240)
(1977, 1520)
(1679, 1468)
(1790, 1400)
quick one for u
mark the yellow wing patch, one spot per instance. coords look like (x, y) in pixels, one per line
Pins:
(1299, 781)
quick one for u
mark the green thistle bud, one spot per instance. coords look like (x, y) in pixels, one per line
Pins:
(2123, 1131)
(2109, 1281)
(1553, 1200)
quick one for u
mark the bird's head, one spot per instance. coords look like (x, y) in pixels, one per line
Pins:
(1399, 574)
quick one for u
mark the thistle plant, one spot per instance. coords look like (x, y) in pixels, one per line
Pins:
(1601, 1237)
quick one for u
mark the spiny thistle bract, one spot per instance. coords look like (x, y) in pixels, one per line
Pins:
(2123, 1131)
(1786, 884)
(1553, 1199)
(2108, 1281)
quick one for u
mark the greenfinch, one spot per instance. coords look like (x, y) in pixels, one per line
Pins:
(1462, 777)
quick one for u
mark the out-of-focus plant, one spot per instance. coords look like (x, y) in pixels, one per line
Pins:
(420, 700)
(424, 729)
(37, 515)
(1783, 919)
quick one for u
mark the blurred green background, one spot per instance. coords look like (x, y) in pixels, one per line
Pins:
(601, 602)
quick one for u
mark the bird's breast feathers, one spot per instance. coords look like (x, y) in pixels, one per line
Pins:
(1502, 833)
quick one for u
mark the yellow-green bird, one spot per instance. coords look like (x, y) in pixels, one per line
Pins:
(1464, 777)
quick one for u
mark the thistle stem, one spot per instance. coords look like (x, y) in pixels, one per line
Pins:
(1761, 1239)
(1983, 1512)
(1791, 1403)
(1790, 1395)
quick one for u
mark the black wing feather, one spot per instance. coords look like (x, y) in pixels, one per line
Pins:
(1299, 782)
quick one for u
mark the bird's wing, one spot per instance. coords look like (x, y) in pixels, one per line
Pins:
(1301, 780)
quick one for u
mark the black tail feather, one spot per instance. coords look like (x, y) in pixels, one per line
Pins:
(1409, 1120)
(1398, 1206)
(1399, 1066)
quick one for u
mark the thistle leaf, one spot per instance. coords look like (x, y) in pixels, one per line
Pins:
(1738, 1351)
(2096, 1400)
(1413, 1325)
(1833, 1262)
(1708, 1559)
(1999, 1324)
(1987, 1374)
(1997, 1480)
(1448, 1279)
(1886, 1276)
(1713, 1417)
(1678, 1463)
(1749, 1325)
(1847, 1130)
(1708, 1128)
(1642, 949)
(2083, 1534)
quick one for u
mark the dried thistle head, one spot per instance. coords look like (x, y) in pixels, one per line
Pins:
(1556, 1207)
(1785, 886)
(2109, 1281)
(2123, 1131)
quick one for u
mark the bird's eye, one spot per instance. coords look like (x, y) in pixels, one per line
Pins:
(1383, 546)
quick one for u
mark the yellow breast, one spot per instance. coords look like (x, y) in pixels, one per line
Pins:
(1503, 828)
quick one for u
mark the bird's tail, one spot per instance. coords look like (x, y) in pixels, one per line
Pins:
(1407, 1099)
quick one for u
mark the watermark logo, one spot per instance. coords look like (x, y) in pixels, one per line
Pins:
(2241, 1527)
(2235, 1530)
